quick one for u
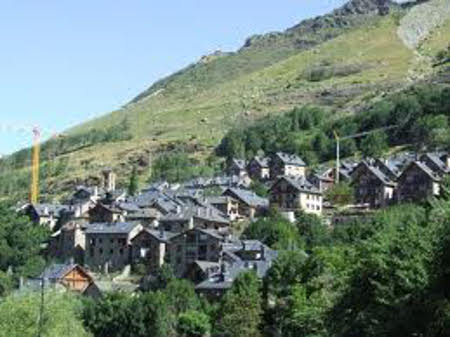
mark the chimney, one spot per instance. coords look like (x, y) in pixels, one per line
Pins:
(45, 210)
(263, 252)
(447, 161)
(161, 231)
(95, 191)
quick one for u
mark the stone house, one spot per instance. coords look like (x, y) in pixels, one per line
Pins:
(418, 182)
(372, 186)
(195, 245)
(188, 217)
(290, 194)
(227, 205)
(259, 168)
(108, 245)
(250, 205)
(284, 164)
(106, 213)
(237, 167)
(69, 242)
(47, 215)
(149, 247)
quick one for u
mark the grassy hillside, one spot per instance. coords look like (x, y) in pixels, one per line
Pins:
(349, 61)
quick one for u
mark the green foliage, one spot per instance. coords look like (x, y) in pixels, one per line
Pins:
(178, 167)
(20, 243)
(62, 316)
(133, 185)
(155, 313)
(6, 284)
(275, 231)
(259, 188)
(194, 324)
(241, 309)
(374, 144)
(312, 230)
(340, 194)
(420, 115)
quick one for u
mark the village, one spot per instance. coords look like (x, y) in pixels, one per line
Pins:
(102, 233)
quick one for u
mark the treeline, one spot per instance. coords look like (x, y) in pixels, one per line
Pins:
(417, 116)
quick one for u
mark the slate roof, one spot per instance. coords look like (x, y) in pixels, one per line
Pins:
(199, 212)
(290, 159)
(58, 271)
(428, 171)
(224, 279)
(47, 209)
(163, 236)
(377, 173)
(248, 197)
(221, 199)
(111, 228)
(435, 159)
(300, 183)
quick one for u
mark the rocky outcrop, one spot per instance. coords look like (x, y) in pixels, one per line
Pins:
(421, 20)
(309, 33)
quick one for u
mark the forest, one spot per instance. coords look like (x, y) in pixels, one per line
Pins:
(417, 117)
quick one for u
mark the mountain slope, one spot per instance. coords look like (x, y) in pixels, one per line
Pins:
(342, 60)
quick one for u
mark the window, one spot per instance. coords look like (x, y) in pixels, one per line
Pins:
(100, 241)
(121, 251)
(111, 240)
(100, 251)
(111, 252)
(92, 243)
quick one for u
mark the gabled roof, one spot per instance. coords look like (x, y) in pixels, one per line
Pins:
(111, 228)
(239, 163)
(248, 197)
(424, 168)
(262, 161)
(57, 271)
(162, 236)
(300, 183)
(435, 159)
(290, 159)
(384, 179)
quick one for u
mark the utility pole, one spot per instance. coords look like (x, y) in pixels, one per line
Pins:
(338, 159)
(356, 135)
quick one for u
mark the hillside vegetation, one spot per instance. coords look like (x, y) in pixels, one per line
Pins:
(343, 62)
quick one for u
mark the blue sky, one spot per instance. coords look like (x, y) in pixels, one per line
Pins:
(65, 61)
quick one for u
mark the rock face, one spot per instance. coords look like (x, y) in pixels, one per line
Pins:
(310, 32)
(421, 20)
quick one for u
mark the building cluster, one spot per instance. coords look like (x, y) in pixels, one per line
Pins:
(189, 225)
